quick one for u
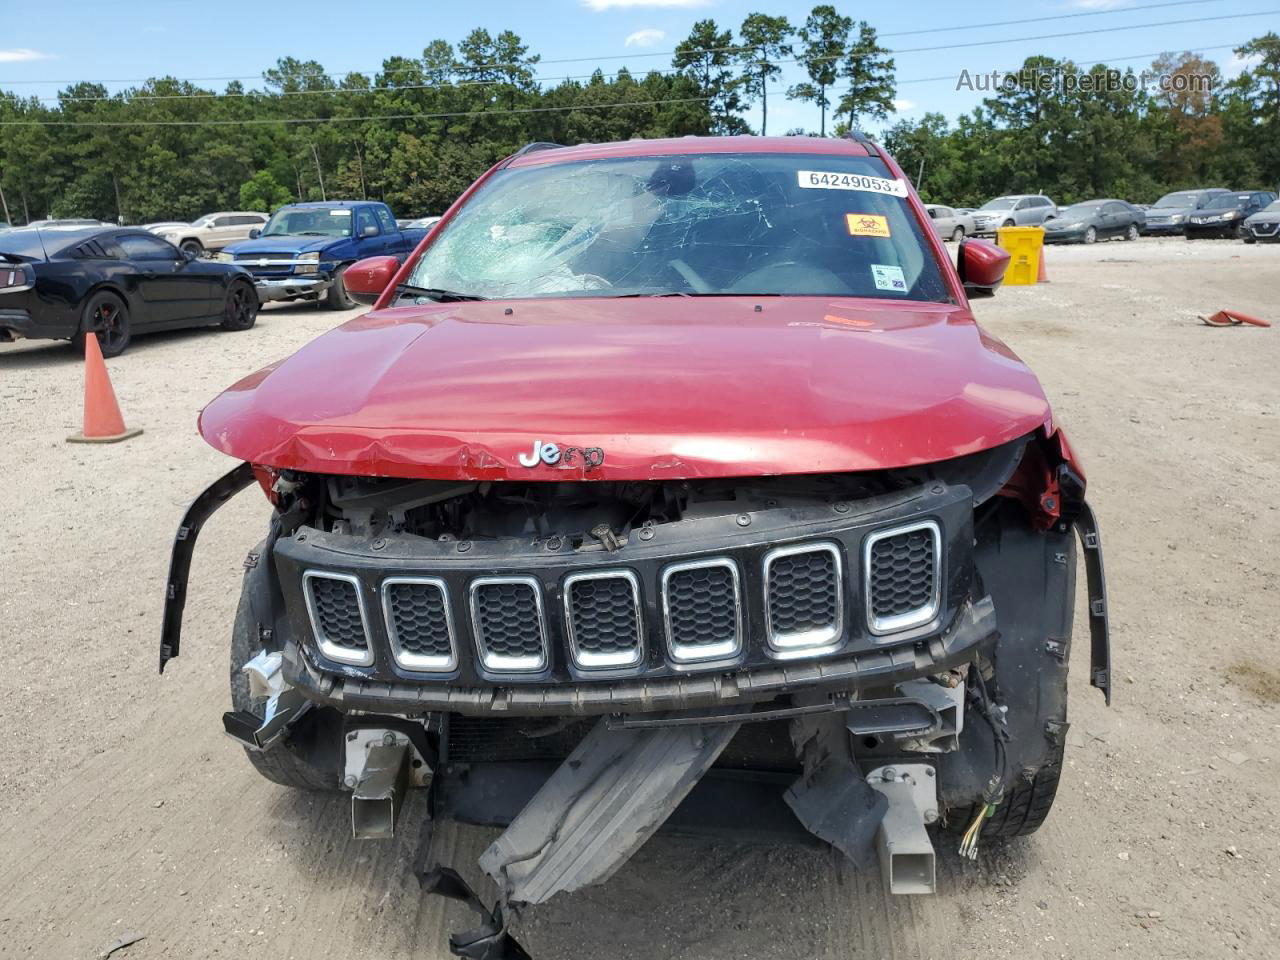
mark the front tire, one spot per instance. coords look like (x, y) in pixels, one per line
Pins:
(105, 315)
(957, 234)
(1024, 809)
(193, 247)
(240, 311)
(1091, 235)
(1132, 234)
(309, 756)
(336, 298)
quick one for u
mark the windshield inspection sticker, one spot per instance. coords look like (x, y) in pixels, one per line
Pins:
(819, 180)
(888, 277)
(867, 225)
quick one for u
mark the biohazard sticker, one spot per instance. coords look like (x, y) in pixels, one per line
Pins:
(867, 225)
(888, 277)
(826, 180)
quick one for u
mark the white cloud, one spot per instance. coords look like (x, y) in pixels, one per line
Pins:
(1238, 64)
(644, 38)
(599, 5)
(902, 106)
(22, 55)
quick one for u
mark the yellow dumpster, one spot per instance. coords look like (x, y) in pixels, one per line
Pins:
(1023, 244)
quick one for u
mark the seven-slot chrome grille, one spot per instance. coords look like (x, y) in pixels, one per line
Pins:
(702, 604)
(338, 617)
(602, 618)
(510, 629)
(419, 624)
(800, 596)
(804, 603)
(902, 573)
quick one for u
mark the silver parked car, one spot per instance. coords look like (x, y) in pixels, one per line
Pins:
(213, 231)
(1015, 210)
(1264, 226)
(950, 223)
(1170, 213)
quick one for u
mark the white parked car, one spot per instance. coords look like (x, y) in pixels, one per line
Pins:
(950, 222)
(213, 231)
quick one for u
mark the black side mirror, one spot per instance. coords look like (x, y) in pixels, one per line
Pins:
(255, 233)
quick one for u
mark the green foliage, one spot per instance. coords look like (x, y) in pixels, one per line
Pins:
(263, 192)
(419, 130)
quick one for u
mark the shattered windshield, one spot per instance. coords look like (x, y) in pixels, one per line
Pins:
(705, 224)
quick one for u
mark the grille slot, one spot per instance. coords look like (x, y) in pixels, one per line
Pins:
(902, 577)
(419, 623)
(602, 614)
(803, 597)
(338, 618)
(703, 607)
(510, 629)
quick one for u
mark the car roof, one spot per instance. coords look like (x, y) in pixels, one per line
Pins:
(677, 146)
(43, 241)
(323, 204)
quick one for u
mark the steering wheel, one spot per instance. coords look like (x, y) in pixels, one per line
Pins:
(690, 276)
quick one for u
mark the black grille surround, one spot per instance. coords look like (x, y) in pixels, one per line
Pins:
(550, 571)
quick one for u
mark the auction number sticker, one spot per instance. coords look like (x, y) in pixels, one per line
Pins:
(888, 277)
(820, 180)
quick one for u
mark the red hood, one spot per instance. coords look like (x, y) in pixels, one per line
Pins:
(668, 388)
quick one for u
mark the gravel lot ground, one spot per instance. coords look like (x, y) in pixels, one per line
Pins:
(126, 810)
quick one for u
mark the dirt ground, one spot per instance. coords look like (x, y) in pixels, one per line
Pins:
(125, 809)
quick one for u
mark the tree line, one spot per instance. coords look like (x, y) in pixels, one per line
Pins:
(416, 132)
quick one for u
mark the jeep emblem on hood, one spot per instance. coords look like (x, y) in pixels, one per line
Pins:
(551, 454)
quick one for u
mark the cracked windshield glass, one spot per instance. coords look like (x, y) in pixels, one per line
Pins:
(706, 224)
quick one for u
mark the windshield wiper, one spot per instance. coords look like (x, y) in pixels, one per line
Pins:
(438, 294)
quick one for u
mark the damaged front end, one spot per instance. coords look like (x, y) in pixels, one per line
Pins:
(868, 658)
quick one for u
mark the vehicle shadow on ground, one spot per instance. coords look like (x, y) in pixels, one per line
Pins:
(677, 898)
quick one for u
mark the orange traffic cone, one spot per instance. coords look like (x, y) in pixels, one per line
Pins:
(102, 420)
(1041, 276)
(1239, 317)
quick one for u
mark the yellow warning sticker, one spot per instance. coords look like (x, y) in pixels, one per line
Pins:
(867, 225)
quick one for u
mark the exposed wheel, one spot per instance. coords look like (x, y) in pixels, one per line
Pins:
(1248, 239)
(337, 298)
(1132, 233)
(957, 234)
(241, 308)
(107, 316)
(1008, 223)
(309, 755)
(1091, 235)
(194, 247)
(1026, 805)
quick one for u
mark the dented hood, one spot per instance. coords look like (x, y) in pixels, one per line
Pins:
(665, 388)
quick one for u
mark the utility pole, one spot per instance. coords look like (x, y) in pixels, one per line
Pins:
(115, 182)
(5, 204)
(319, 173)
(920, 175)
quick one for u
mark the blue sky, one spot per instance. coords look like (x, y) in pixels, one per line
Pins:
(117, 43)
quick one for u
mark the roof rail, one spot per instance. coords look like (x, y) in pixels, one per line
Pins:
(872, 147)
(534, 148)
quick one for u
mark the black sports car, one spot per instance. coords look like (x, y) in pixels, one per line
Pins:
(62, 283)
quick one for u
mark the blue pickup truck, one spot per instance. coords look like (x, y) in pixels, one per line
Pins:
(304, 249)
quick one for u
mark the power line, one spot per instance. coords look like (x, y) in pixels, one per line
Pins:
(735, 48)
(122, 98)
(256, 121)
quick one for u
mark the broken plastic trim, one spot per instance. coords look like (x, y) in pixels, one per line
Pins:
(1099, 621)
(184, 544)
